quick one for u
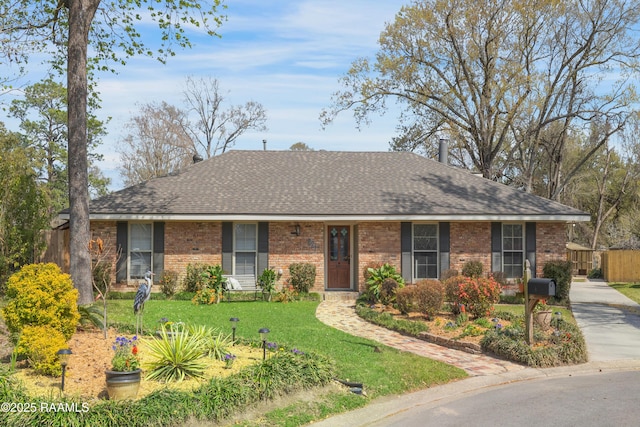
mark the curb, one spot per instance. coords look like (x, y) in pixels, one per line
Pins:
(389, 406)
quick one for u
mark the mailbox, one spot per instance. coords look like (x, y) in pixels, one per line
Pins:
(541, 286)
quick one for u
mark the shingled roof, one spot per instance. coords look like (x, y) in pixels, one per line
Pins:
(325, 185)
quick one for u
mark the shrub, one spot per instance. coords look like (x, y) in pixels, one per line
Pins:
(371, 265)
(205, 296)
(41, 295)
(213, 278)
(452, 294)
(596, 273)
(214, 344)
(499, 277)
(175, 356)
(388, 321)
(377, 276)
(287, 293)
(193, 280)
(472, 269)
(404, 299)
(302, 276)
(478, 295)
(388, 290)
(267, 280)
(449, 273)
(40, 344)
(168, 283)
(429, 297)
(560, 272)
(567, 347)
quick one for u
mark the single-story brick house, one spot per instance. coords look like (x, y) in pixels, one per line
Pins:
(249, 210)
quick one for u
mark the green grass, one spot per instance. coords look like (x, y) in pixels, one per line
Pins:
(518, 310)
(631, 290)
(295, 325)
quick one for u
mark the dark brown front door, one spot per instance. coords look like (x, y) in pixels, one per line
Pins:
(338, 268)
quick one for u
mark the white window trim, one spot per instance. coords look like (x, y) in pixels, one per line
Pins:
(524, 244)
(235, 250)
(131, 249)
(413, 250)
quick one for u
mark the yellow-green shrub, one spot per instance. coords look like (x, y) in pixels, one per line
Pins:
(40, 294)
(40, 344)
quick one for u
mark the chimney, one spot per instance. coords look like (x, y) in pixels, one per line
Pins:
(443, 153)
(264, 144)
(197, 158)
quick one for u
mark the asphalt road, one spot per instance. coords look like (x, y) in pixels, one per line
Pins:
(598, 399)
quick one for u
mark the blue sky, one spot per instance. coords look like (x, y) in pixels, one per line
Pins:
(287, 55)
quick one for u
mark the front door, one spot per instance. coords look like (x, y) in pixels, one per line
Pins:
(339, 265)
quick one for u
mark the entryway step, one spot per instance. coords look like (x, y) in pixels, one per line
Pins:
(340, 296)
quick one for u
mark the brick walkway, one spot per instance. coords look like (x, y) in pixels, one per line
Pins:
(341, 315)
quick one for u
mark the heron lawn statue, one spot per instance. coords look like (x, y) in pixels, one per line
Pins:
(142, 296)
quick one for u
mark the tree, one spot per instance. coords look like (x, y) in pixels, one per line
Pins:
(300, 146)
(216, 129)
(43, 118)
(23, 211)
(504, 83)
(608, 188)
(157, 143)
(114, 38)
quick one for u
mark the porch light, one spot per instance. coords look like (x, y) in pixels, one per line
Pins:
(296, 230)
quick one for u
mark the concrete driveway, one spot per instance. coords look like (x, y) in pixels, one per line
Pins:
(609, 321)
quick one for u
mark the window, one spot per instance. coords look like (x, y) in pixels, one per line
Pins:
(512, 250)
(425, 251)
(246, 243)
(140, 249)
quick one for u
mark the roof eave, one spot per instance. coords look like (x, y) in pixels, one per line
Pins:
(568, 218)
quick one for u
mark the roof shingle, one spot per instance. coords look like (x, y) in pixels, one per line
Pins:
(329, 184)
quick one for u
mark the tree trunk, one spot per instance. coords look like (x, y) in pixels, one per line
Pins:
(81, 13)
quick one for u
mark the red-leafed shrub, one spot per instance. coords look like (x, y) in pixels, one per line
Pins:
(477, 295)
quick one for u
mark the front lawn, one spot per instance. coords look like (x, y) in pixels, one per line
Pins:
(292, 325)
(295, 325)
(630, 290)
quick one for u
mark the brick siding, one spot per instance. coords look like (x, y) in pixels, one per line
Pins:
(378, 242)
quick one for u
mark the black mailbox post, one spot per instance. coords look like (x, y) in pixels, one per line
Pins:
(542, 286)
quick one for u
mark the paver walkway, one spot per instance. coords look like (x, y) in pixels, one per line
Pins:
(341, 315)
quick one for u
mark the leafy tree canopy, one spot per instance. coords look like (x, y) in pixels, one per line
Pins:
(116, 33)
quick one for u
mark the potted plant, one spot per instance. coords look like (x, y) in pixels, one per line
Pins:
(542, 314)
(123, 379)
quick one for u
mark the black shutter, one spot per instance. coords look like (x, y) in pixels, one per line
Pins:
(227, 247)
(158, 249)
(122, 229)
(405, 249)
(530, 236)
(444, 246)
(496, 246)
(263, 247)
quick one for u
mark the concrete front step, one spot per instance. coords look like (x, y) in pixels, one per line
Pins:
(340, 296)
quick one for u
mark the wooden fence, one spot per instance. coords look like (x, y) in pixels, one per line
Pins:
(57, 248)
(621, 266)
